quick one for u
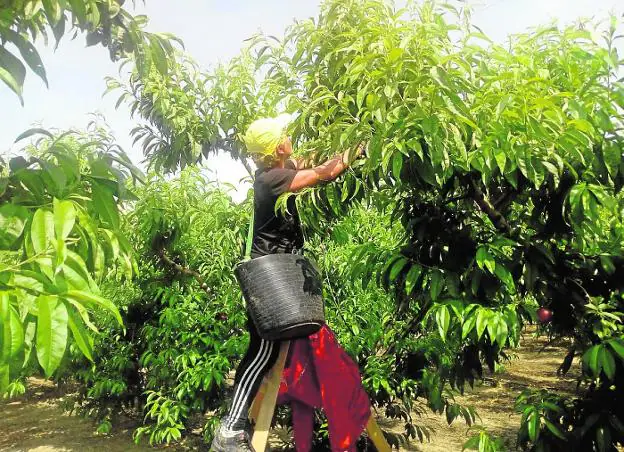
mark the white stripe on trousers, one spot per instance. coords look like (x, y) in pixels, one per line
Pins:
(245, 385)
(253, 377)
(239, 386)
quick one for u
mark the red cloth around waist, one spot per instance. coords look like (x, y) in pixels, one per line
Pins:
(320, 374)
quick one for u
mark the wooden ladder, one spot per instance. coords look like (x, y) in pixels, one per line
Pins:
(263, 407)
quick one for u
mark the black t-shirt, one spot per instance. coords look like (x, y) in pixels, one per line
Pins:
(275, 233)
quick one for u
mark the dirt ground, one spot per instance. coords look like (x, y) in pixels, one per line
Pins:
(533, 365)
(35, 422)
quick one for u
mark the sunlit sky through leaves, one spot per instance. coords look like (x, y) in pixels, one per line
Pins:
(213, 31)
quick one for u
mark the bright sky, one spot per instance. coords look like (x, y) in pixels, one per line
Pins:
(213, 30)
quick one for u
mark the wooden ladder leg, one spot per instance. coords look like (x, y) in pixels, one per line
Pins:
(254, 409)
(268, 401)
(376, 435)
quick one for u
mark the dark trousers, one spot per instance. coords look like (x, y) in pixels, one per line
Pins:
(259, 359)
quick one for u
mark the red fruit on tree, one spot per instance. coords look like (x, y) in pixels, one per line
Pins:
(544, 315)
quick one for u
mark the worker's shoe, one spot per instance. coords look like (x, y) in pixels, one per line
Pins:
(238, 441)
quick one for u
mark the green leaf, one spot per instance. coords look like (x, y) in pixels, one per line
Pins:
(612, 156)
(502, 105)
(492, 327)
(11, 335)
(505, 276)
(29, 338)
(443, 319)
(482, 319)
(590, 360)
(83, 340)
(58, 29)
(582, 125)
(413, 275)
(95, 300)
(31, 280)
(64, 218)
(93, 14)
(371, 101)
(60, 255)
(472, 443)
(79, 10)
(56, 175)
(395, 54)
(616, 423)
(397, 267)
(4, 378)
(332, 198)
(618, 347)
(484, 259)
(16, 355)
(607, 264)
(533, 424)
(468, 326)
(77, 275)
(53, 10)
(31, 8)
(554, 429)
(42, 230)
(29, 53)
(501, 159)
(31, 132)
(607, 362)
(104, 203)
(552, 169)
(12, 222)
(360, 95)
(436, 284)
(69, 165)
(397, 165)
(4, 182)
(52, 322)
(159, 57)
(12, 72)
(502, 332)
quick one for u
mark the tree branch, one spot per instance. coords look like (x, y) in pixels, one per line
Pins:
(183, 270)
(247, 167)
(409, 329)
(486, 206)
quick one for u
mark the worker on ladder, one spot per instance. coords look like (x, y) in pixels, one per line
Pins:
(270, 147)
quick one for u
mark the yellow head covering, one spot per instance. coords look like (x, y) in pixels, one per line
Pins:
(264, 135)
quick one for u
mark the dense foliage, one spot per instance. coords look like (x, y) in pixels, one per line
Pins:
(60, 198)
(105, 22)
(184, 318)
(60, 237)
(182, 314)
(502, 164)
(492, 186)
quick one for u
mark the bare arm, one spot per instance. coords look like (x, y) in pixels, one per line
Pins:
(325, 172)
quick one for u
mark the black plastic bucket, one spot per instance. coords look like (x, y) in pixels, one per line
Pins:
(284, 295)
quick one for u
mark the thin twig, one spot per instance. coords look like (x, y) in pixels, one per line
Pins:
(183, 270)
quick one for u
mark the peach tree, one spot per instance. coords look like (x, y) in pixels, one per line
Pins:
(502, 164)
(60, 198)
(60, 237)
